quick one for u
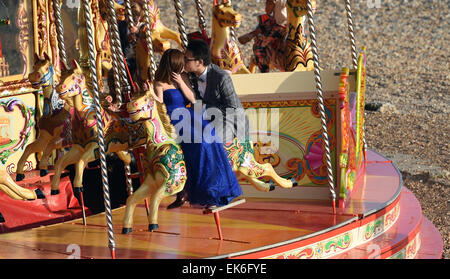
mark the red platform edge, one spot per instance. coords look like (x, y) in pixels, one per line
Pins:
(402, 233)
(430, 246)
(411, 236)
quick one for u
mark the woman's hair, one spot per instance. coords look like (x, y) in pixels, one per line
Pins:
(171, 61)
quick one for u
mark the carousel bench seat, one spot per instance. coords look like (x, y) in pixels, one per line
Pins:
(216, 210)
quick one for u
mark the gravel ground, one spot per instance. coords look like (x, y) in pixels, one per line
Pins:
(407, 75)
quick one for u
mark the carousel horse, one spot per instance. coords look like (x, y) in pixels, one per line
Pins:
(224, 50)
(14, 191)
(165, 171)
(160, 35)
(54, 124)
(295, 53)
(101, 41)
(119, 136)
(163, 162)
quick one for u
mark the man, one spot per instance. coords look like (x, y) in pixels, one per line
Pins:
(214, 87)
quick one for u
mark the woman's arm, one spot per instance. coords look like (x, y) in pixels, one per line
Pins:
(185, 86)
(158, 88)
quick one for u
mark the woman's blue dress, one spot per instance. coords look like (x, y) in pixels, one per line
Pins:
(210, 178)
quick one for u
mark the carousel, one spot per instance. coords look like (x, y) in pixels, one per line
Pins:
(88, 165)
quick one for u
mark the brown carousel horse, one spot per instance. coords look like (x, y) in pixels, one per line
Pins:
(54, 123)
(160, 35)
(165, 171)
(224, 50)
(119, 136)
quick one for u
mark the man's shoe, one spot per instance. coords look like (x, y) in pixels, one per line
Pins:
(177, 203)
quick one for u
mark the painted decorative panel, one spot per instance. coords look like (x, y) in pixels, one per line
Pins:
(351, 109)
(288, 135)
(17, 121)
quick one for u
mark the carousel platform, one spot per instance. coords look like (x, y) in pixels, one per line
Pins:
(381, 220)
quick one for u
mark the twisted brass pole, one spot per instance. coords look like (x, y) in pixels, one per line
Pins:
(351, 33)
(101, 139)
(60, 31)
(181, 23)
(232, 30)
(148, 39)
(129, 14)
(119, 69)
(201, 16)
(61, 47)
(320, 99)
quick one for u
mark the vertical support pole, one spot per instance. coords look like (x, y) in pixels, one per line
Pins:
(128, 180)
(60, 31)
(351, 33)
(120, 72)
(80, 193)
(137, 154)
(219, 229)
(201, 18)
(232, 30)
(101, 140)
(148, 39)
(326, 139)
(129, 14)
(62, 54)
(181, 24)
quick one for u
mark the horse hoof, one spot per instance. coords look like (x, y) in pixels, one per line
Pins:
(43, 172)
(54, 192)
(153, 227)
(126, 230)
(20, 177)
(39, 194)
(294, 182)
(271, 186)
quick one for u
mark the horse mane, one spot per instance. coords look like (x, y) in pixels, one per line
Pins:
(165, 119)
(163, 115)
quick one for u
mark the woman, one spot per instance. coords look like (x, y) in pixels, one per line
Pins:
(211, 181)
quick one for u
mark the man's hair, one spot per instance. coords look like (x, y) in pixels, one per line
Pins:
(200, 50)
